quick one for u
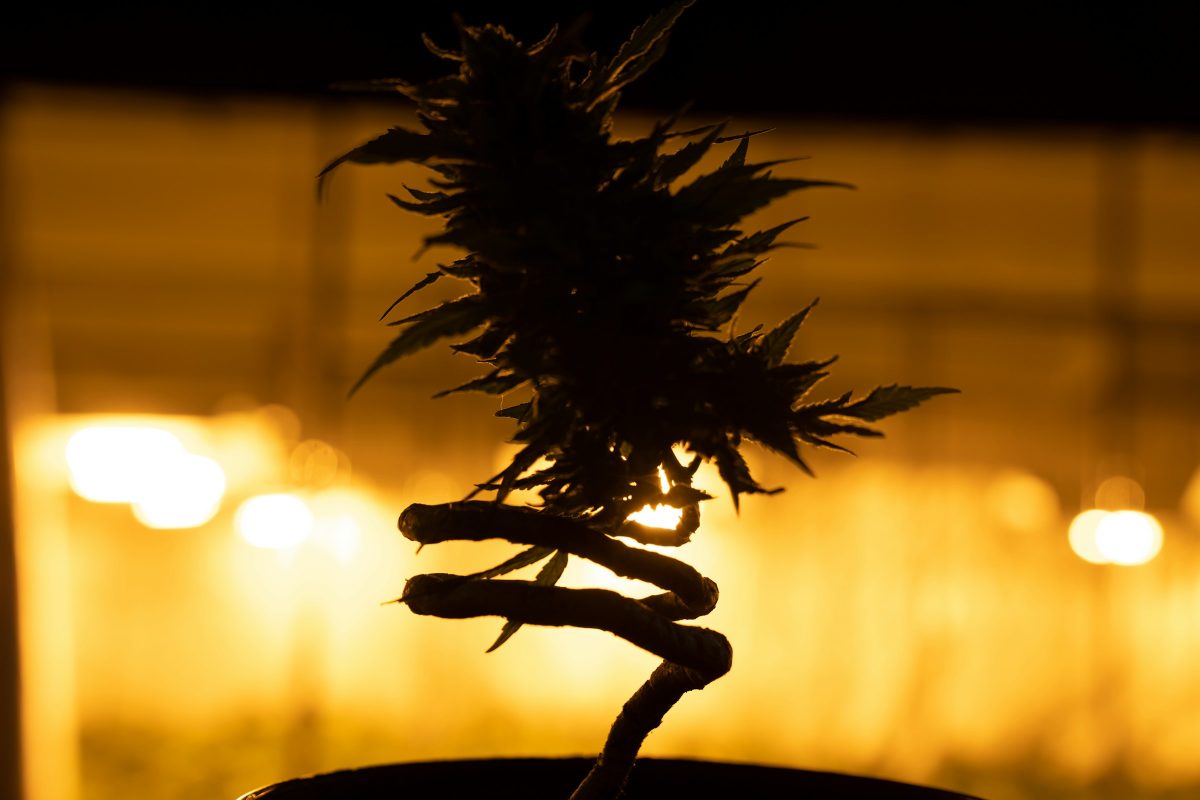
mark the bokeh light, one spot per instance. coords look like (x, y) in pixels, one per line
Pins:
(1126, 538)
(185, 492)
(274, 521)
(116, 463)
(659, 516)
(1082, 535)
(1129, 538)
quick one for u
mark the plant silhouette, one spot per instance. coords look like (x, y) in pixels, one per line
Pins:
(602, 280)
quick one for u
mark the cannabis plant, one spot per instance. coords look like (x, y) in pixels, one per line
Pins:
(602, 280)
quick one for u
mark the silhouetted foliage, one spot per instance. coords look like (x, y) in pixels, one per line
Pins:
(602, 278)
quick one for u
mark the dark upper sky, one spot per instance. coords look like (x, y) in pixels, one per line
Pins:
(976, 60)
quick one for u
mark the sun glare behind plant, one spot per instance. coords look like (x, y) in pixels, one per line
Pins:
(662, 515)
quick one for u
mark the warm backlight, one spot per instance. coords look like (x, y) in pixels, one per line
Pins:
(116, 463)
(185, 493)
(1082, 536)
(659, 516)
(1126, 538)
(149, 468)
(1129, 538)
(274, 521)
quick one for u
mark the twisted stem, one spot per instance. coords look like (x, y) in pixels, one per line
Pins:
(692, 656)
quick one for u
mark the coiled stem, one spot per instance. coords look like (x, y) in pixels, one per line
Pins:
(692, 656)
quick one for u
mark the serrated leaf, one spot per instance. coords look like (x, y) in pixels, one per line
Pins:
(544, 43)
(448, 319)
(464, 268)
(676, 164)
(486, 344)
(738, 157)
(421, 284)
(398, 144)
(724, 197)
(775, 433)
(883, 401)
(761, 241)
(442, 205)
(517, 411)
(553, 570)
(510, 627)
(432, 47)
(798, 379)
(645, 37)
(524, 558)
(682, 495)
(495, 382)
(548, 575)
(723, 308)
(775, 345)
(424, 196)
(746, 135)
(525, 458)
(636, 69)
(743, 341)
(732, 468)
(827, 427)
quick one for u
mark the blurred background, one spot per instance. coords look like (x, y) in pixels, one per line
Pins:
(198, 538)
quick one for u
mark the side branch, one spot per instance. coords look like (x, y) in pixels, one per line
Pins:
(705, 652)
(476, 520)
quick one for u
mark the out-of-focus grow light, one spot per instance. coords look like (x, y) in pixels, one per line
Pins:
(185, 493)
(274, 521)
(149, 468)
(1129, 538)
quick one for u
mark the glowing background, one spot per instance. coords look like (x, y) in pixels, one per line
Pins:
(917, 613)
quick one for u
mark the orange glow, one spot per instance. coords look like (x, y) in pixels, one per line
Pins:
(659, 516)
(1129, 538)
(146, 466)
(185, 493)
(1126, 538)
(1082, 535)
(116, 463)
(920, 619)
(274, 521)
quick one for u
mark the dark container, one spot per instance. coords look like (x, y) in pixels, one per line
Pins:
(555, 778)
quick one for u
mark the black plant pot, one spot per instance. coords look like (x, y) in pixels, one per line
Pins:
(554, 779)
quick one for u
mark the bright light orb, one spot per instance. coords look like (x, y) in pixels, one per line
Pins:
(1082, 535)
(274, 521)
(117, 463)
(659, 516)
(186, 492)
(1129, 538)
